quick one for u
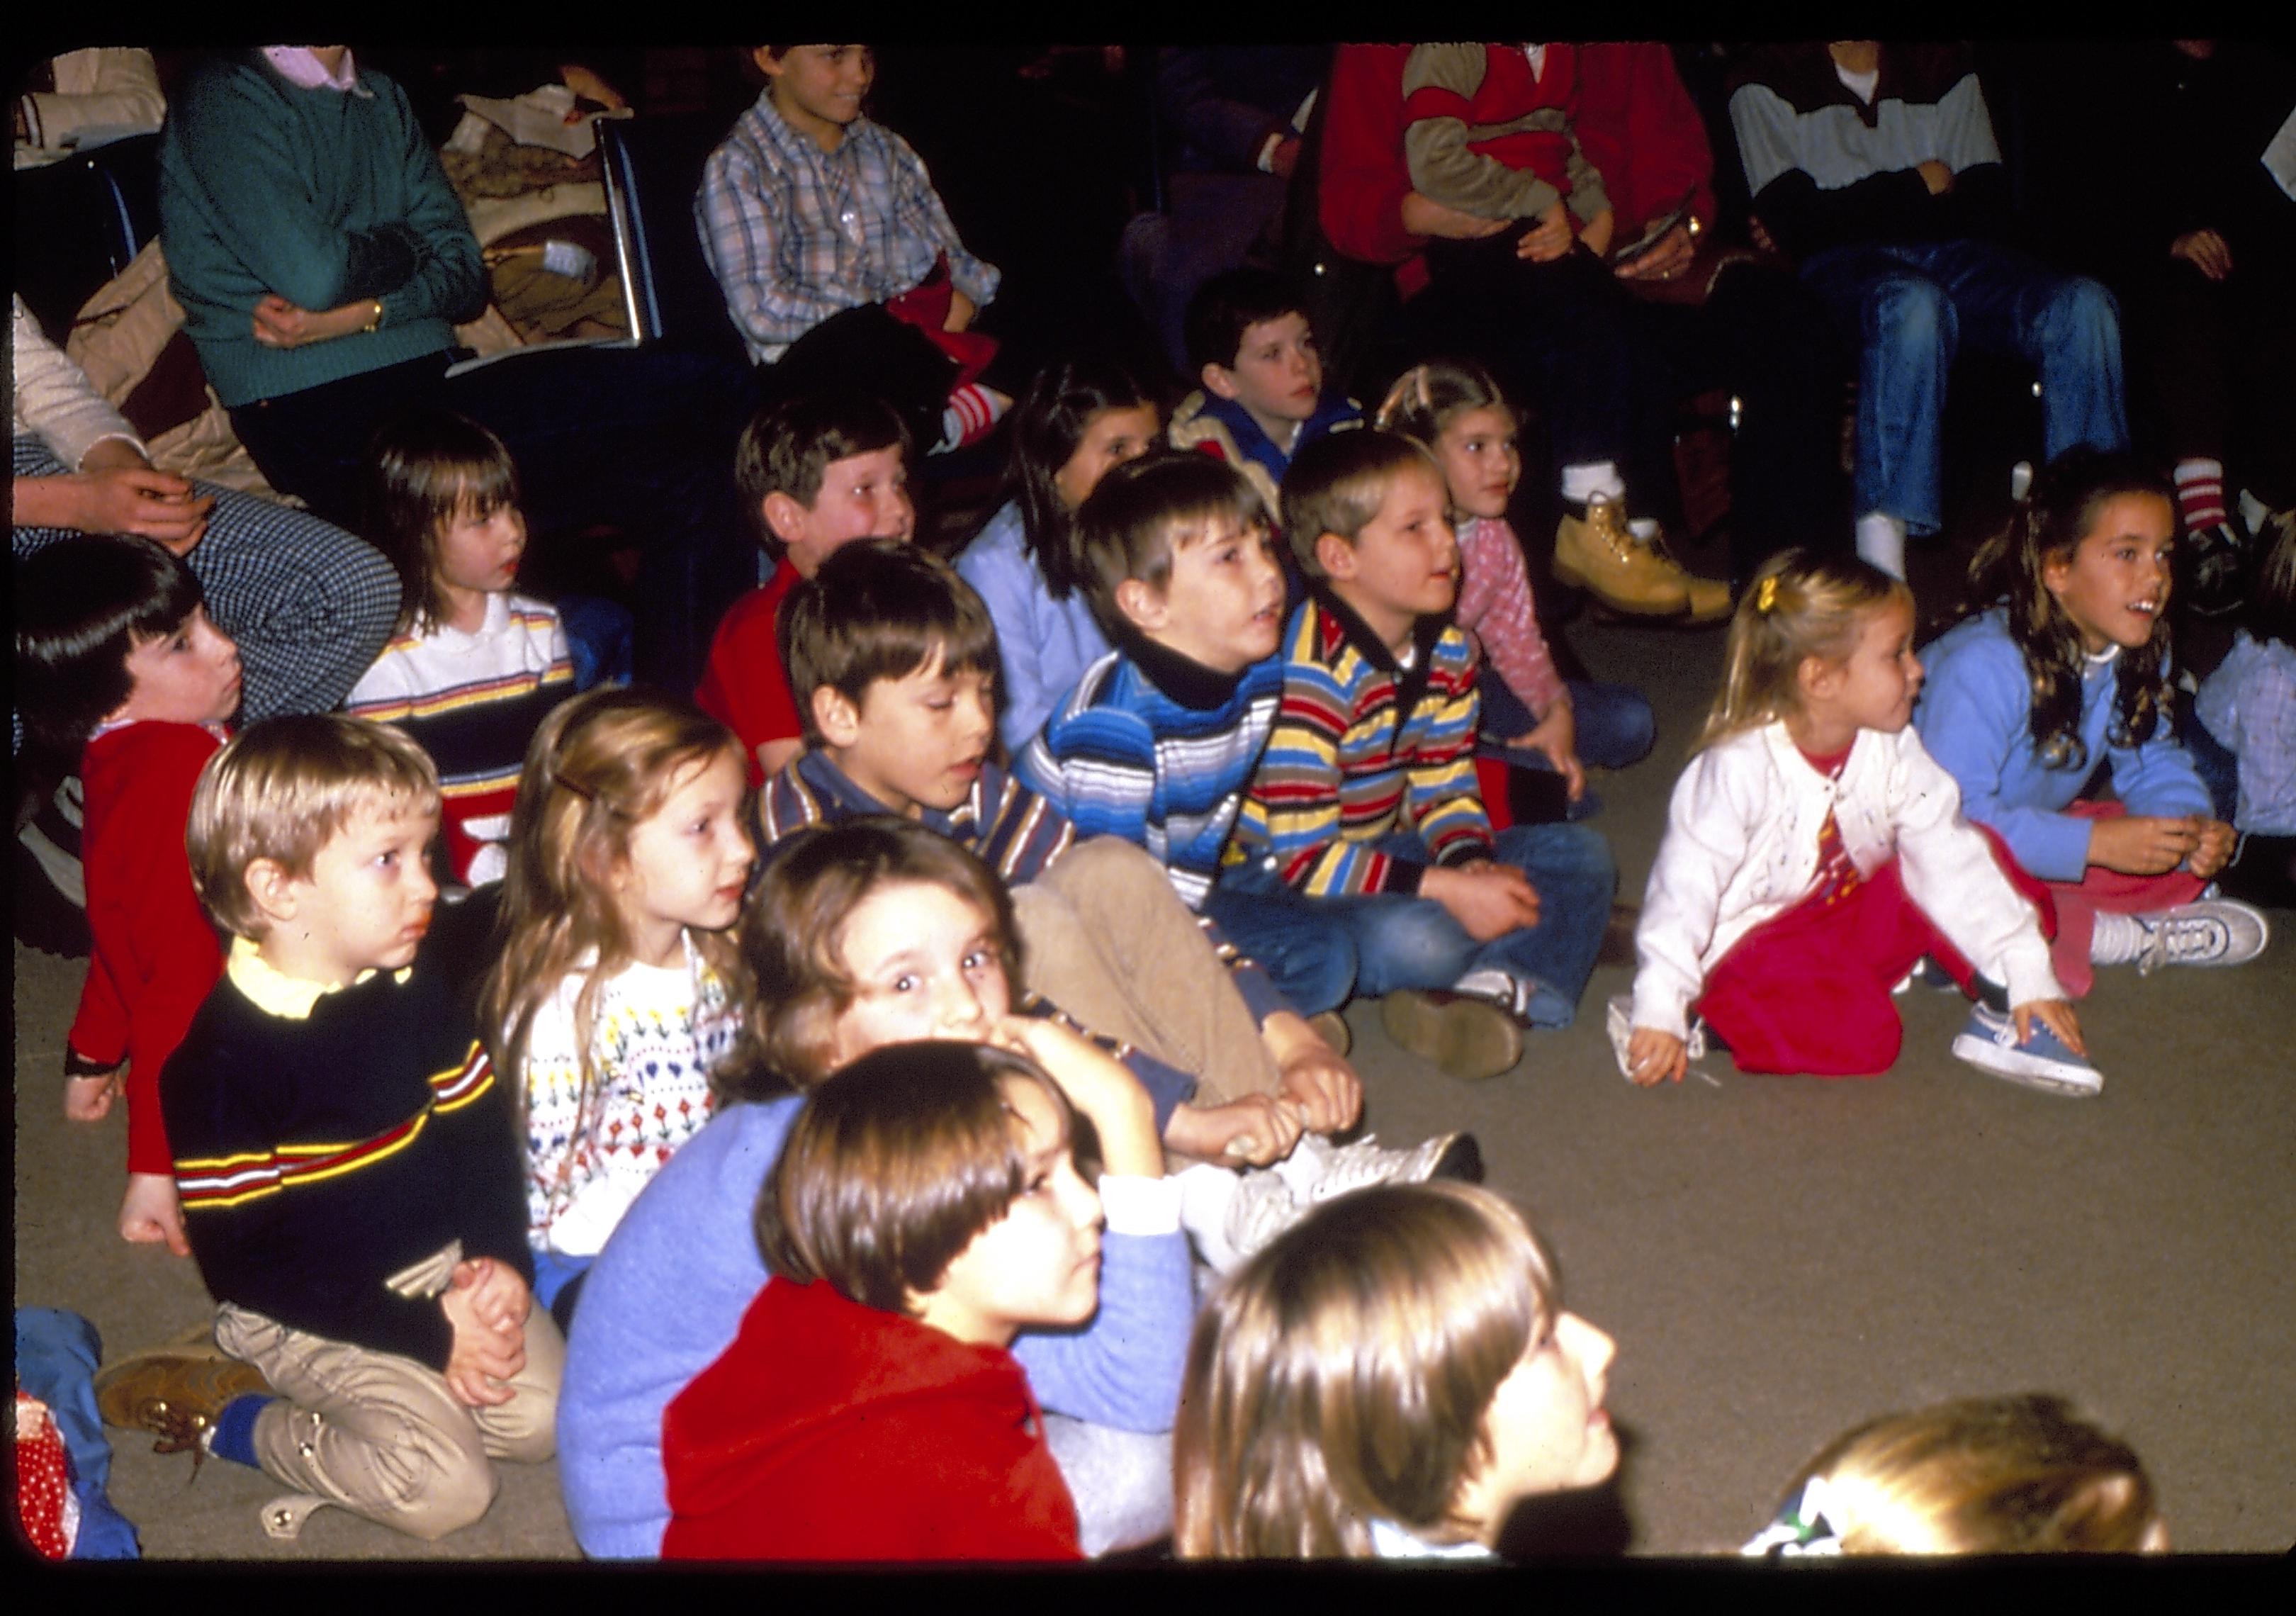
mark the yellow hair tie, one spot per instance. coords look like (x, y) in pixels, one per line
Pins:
(1767, 596)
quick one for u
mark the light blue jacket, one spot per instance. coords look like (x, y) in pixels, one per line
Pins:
(1044, 645)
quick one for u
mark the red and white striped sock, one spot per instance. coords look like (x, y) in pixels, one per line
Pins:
(2200, 495)
(970, 411)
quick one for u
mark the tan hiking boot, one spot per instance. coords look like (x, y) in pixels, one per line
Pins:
(174, 1392)
(1599, 553)
(1470, 1039)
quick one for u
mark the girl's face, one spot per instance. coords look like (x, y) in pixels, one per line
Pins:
(1547, 1429)
(1111, 438)
(1875, 686)
(2114, 585)
(688, 861)
(925, 964)
(1039, 1263)
(1481, 463)
(479, 555)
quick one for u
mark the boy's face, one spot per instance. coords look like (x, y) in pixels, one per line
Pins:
(1223, 605)
(367, 903)
(188, 676)
(818, 88)
(1404, 563)
(1277, 375)
(917, 741)
(924, 963)
(862, 496)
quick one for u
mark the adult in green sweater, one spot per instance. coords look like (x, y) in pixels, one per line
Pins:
(323, 262)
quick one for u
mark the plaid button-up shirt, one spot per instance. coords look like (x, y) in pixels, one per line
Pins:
(795, 234)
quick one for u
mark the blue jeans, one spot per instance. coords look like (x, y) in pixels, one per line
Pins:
(1322, 951)
(1614, 726)
(1907, 309)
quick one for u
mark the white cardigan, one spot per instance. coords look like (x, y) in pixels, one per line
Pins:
(1741, 850)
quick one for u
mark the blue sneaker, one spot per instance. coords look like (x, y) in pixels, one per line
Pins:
(2042, 1062)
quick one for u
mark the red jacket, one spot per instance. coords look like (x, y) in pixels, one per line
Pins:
(831, 1431)
(1631, 102)
(155, 957)
(745, 687)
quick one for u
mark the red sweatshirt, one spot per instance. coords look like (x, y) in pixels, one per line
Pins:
(155, 955)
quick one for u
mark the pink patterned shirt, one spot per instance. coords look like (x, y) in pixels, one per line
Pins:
(1495, 606)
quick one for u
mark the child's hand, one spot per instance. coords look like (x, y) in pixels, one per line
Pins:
(1597, 232)
(2217, 842)
(1316, 1080)
(1556, 736)
(150, 1213)
(480, 1360)
(2140, 845)
(1488, 899)
(960, 310)
(2205, 250)
(88, 1098)
(499, 1297)
(1655, 1057)
(2057, 1015)
(1098, 1084)
(1550, 239)
(1250, 1132)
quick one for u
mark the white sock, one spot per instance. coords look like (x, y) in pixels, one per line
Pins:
(1593, 479)
(2117, 940)
(1881, 540)
(972, 410)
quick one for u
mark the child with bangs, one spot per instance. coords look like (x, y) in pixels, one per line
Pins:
(472, 668)
(1814, 853)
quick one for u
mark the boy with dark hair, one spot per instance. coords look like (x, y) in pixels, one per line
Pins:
(122, 677)
(1364, 820)
(815, 472)
(1262, 396)
(347, 1162)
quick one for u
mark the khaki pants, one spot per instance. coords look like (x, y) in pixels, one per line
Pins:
(1108, 941)
(381, 1435)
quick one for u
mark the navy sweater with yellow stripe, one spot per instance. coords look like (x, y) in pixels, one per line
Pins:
(316, 1157)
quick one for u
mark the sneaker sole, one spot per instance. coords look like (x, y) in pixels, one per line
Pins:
(1574, 578)
(2025, 1071)
(1470, 1040)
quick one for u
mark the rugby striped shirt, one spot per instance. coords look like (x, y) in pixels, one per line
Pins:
(1362, 746)
(1013, 830)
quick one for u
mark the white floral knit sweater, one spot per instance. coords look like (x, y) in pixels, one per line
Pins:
(657, 1033)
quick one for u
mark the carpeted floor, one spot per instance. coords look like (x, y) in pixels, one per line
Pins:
(1778, 1258)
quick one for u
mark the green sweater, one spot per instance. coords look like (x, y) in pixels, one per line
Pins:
(322, 196)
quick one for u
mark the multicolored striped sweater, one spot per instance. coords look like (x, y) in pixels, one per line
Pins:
(1362, 747)
(1013, 830)
(473, 701)
(1159, 750)
(317, 1155)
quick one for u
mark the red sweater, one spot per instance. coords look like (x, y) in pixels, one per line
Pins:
(1630, 100)
(155, 955)
(745, 687)
(831, 1431)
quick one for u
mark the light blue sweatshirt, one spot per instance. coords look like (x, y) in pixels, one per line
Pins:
(1044, 645)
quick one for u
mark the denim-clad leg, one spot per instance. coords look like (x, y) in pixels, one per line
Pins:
(1906, 330)
(1311, 961)
(1615, 729)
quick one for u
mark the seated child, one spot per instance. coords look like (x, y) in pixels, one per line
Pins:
(926, 1208)
(871, 933)
(2004, 1475)
(2247, 711)
(815, 472)
(1814, 854)
(1386, 1380)
(894, 654)
(1262, 398)
(834, 252)
(1077, 419)
(346, 1156)
(618, 989)
(121, 679)
(1363, 839)
(471, 669)
(2062, 665)
(1532, 716)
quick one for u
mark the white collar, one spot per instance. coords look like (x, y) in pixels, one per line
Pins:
(299, 66)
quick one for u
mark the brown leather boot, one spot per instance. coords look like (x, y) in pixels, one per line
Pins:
(1596, 554)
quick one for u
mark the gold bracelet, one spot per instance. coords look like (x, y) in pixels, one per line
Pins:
(374, 320)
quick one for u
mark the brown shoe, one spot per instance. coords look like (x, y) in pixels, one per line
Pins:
(174, 1392)
(1470, 1039)
(1595, 552)
(1332, 1027)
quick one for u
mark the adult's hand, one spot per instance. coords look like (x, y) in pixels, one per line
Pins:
(2205, 250)
(1662, 259)
(279, 324)
(131, 498)
(1425, 216)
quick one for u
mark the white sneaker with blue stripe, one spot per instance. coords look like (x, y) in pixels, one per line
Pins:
(2042, 1062)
